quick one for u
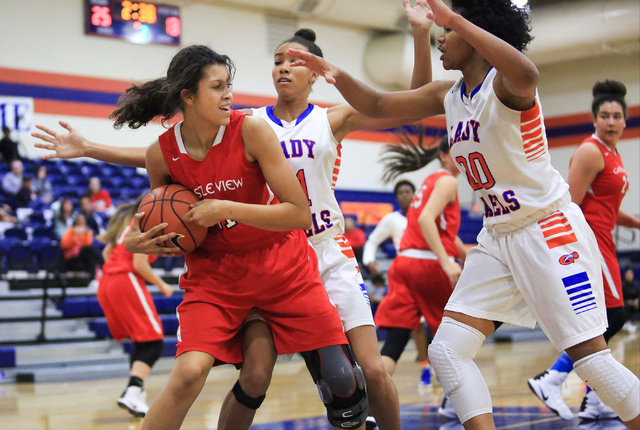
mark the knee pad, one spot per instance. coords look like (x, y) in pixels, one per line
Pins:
(147, 352)
(397, 339)
(245, 399)
(341, 385)
(451, 355)
(616, 385)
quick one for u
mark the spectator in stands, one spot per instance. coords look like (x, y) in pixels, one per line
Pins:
(8, 146)
(77, 248)
(64, 216)
(99, 197)
(25, 194)
(94, 221)
(41, 185)
(356, 237)
(128, 305)
(376, 290)
(6, 215)
(631, 294)
(12, 181)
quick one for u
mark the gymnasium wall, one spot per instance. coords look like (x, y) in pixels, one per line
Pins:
(45, 55)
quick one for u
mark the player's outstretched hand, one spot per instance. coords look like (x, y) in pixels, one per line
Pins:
(440, 13)
(138, 242)
(419, 14)
(316, 64)
(62, 145)
(453, 271)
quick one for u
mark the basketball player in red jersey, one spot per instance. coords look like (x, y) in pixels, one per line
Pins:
(422, 276)
(598, 183)
(128, 306)
(255, 256)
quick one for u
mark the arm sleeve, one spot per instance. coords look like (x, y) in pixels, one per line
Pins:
(376, 237)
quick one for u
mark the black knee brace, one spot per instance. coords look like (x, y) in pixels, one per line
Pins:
(245, 399)
(397, 339)
(147, 352)
(341, 384)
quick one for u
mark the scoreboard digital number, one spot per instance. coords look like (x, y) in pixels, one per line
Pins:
(137, 22)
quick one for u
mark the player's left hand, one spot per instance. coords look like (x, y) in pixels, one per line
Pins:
(207, 212)
(314, 63)
(418, 15)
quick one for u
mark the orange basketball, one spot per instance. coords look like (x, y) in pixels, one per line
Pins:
(169, 203)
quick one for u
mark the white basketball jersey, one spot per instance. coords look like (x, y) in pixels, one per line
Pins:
(503, 153)
(314, 155)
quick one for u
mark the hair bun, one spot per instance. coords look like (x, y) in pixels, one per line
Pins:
(306, 33)
(609, 88)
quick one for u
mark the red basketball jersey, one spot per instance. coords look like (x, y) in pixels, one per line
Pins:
(224, 174)
(602, 201)
(120, 260)
(448, 221)
(600, 207)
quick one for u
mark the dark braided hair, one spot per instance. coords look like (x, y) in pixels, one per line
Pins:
(608, 91)
(307, 38)
(409, 156)
(501, 18)
(162, 97)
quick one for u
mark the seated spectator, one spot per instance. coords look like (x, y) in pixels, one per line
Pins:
(6, 215)
(25, 194)
(376, 289)
(63, 216)
(356, 237)
(631, 295)
(8, 146)
(100, 197)
(94, 221)
(77, 248)
(12, 181)
(42, 186)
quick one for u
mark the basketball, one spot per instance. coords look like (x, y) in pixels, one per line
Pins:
(169, 203)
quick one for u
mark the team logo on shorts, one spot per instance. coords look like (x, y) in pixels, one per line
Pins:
(569, 258)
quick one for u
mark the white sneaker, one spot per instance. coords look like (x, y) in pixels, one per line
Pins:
(546, 386)
(134, 399)
(370, 423)
(592, 408)
(446, 409)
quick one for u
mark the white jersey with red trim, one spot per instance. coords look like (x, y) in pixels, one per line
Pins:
(314, 155)
(503, 153)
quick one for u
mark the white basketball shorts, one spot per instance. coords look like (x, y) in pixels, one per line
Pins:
(548, 271)
(343, 282)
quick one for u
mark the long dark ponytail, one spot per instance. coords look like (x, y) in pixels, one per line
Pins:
(162, 97)
(409, 155)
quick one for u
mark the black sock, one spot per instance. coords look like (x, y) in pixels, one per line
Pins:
(135, 382)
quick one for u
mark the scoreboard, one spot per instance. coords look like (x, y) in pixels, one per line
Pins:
(137, 22)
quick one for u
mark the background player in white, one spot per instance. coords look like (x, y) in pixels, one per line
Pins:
(598, 183)
(514, 275)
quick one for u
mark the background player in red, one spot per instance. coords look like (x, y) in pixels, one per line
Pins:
(128, 305)
(251, 259)
(598, 183)
(422, 276)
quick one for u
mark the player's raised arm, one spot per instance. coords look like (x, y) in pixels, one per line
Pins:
(75, 145)
(517, 76)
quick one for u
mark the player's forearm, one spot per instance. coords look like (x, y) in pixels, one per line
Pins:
(626, 220)
(126, 156)
(362, 97)
(422, 70)
(280, 217)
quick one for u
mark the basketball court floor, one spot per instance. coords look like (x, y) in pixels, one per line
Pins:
(292, 402)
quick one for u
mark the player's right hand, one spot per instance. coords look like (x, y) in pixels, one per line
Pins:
(63, 145)
(138, 242)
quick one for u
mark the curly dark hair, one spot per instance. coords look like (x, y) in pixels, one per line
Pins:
(501, 18)
(161, 97)
(307, 38)
(608, 91)
(409, 155)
